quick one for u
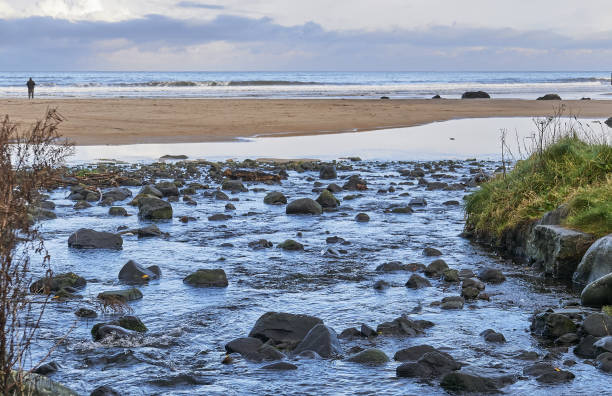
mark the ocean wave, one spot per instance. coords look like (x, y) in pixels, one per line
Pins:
(245, 83)
(584, 79)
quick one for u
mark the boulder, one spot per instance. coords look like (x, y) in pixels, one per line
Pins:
(355, 183)
(104, 391)
(284, 330)
(413, 353)
(546, 373)
(552, 325)
(608, 122)
(219, 217)
(322, 340)
(458, 382)
(116, 194)
(550, 97)
(120, 295)
(419, 201)
(304, 206)
(150, 189)
(39, 385)
(234, 186)
(85, 238)
(453, 302)
(117, 211)
(598, 325)
(436, 268)
(85, 313)
(598, 293)
(327, 172)
(596, 262)
(393, 266)
(327, 200)
(253, 349)
(207, 278)
(362, 218)
(558, 250)
(491, 335)
(401, 326)
(431, 364)
(168, 189)
(154, 209)
(334, 188)
(417, 282)
(132, 272)
(475, 95)
(280, 366)
(586, 348)
(275, 198)
(491, 275)
(57, 282)
(260, 244)
(148, 231)
(292, 245)
(102, 331)
(370, 356)
(604, 362)
(450, 275)
(431, 252)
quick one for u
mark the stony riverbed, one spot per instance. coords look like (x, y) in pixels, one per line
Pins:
(342, 271)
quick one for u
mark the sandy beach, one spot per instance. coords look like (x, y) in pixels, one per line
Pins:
(131, 121)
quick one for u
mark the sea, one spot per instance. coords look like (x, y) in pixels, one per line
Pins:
(307, 85)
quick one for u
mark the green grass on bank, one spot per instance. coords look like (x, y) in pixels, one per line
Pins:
(569, 171)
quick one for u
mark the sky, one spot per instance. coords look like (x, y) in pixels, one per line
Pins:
(309, 35)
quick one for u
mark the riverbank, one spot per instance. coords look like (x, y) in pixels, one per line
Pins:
(134, 121)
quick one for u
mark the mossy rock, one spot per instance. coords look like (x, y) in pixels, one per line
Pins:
(121, 295)
(327, 200)
(370, 356)
(154, 209)
(607, 309)
(39, 385)
(207, 278)
(132, 323)
(290, 244)
(57, 283)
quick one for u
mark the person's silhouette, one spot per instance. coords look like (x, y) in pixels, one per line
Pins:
(30, 85)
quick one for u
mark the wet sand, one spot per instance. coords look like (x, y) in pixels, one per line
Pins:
(133, 121)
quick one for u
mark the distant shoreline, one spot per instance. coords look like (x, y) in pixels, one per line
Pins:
(137, 121)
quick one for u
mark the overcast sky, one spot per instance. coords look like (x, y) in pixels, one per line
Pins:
(305, 35)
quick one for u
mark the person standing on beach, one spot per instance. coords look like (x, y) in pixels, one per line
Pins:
(30, 85)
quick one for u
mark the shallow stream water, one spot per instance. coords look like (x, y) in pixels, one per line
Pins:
(188, 327)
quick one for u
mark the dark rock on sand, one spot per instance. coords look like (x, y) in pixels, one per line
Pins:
(275, 198)
(304, 206)
(90, 239)
(417, 282)
(321, 339)
(475, 95)
(132, 272)
(550, 97)
(207, 278)
(284, 330)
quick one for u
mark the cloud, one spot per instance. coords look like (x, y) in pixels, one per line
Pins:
(43, 42)
(194, 4)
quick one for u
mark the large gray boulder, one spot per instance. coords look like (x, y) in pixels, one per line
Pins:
(596, 262)
(132, 272)
(328, 172)
(154, 209)
(207, 278)
(116, 194)
(168, 189)
(552, 325)
(85, 238)
(431, 364)
(283, 330)
(322, 340)
(253, 349)
(598, 293)
(304, 206)
(558, 250)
